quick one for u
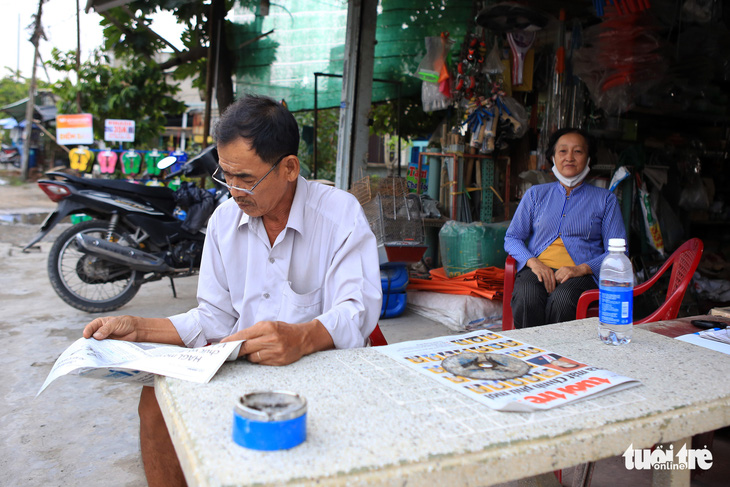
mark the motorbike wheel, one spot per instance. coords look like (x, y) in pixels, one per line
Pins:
(86, 282)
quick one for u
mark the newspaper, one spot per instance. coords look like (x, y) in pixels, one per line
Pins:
(552, 379)
(716, 339)
(140, 362)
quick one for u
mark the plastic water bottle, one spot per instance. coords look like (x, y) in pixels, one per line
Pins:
(616, 291)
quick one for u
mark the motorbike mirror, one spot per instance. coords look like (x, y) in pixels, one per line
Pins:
(166, 162)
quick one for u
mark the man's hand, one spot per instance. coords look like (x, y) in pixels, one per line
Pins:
(571, 271)
(134, 329)
(116, 327)
(279, 343)
(544, 274)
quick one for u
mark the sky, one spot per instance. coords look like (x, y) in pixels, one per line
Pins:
(59, 24)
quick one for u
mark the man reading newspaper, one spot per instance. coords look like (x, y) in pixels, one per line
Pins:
(289, 266)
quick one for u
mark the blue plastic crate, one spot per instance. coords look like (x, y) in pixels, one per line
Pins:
(394, 304)
(394, 279)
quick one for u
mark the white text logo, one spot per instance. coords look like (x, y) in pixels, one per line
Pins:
(661, 459)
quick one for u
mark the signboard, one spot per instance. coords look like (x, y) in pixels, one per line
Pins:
(119, 130)
(74, 129)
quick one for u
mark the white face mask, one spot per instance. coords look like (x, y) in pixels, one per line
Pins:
(572, 181)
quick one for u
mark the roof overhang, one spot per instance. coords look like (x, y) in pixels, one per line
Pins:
(103, 5)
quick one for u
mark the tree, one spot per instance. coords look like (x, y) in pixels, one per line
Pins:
(12, 90)
(129, 35)
(137, 91)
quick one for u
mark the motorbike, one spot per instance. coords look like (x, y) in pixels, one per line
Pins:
(136, 233)
(10, 155)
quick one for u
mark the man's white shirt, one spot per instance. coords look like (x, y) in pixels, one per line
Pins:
(323, 265)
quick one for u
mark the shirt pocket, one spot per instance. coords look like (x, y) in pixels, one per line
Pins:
(299, 308)
(595, 228)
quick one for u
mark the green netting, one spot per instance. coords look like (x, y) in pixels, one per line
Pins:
(309, 37)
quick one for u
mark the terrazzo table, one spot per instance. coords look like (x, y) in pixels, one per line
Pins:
(373, 421)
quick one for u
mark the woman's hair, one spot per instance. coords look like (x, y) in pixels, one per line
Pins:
(268, 126)
(590, 140)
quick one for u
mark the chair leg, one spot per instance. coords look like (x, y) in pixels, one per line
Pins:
(583, 474)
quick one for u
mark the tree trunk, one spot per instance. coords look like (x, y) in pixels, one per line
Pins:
(225, 59)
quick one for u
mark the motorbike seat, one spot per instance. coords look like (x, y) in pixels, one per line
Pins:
(155, 192)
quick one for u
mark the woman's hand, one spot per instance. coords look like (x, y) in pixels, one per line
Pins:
(571, 271)
(544, 274)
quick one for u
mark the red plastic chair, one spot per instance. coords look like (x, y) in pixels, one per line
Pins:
(510, 269)
(683, 261)
(376, 337)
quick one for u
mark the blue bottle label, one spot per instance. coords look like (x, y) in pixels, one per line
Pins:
(616, 305)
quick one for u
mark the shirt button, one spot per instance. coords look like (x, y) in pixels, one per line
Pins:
(266, 296)
(271, 259)
(563, 215)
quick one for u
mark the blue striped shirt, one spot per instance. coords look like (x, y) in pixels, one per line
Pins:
(585, 221)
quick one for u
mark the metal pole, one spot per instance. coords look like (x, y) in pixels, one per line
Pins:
(78, 57)
(314, 151)
(398, 125)
(17, 54)
(30, 106)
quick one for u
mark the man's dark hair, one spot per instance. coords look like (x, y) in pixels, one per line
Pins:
(264, 123)
(590, 140)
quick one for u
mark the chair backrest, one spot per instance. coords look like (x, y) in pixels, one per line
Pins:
(510, 269)
(684, 262)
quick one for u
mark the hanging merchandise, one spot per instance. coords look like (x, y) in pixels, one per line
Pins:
(510, 16)
(621, 7)
(694, 195)
(131, 162)
(554, 118)
(107, 161)
(520, 42)
(493, 64)
(432, 99)
(575, 89)
(151, 159)
(621, 59)
(513, 116)
(182, 158)
(648, 212)
(81, 158)
(470, 77)
(433, 71)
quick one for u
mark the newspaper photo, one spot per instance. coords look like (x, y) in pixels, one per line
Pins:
(140, 362)
(506, 374)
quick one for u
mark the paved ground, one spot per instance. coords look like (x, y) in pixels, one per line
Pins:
(79, 432)
(82, 432)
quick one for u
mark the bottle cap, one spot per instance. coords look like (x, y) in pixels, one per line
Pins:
(616, 244)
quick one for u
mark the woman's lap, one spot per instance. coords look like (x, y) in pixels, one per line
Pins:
(533, 306)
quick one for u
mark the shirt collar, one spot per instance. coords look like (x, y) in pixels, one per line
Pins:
(296, 213)
(563, 191)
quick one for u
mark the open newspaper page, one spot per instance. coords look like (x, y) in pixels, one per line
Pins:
(140, 362)
(540, 379)
(716, 339)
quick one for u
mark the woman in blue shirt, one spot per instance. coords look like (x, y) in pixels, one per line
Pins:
(559, 235)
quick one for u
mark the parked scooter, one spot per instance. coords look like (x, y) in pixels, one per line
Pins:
(136, 234)
(10, 155)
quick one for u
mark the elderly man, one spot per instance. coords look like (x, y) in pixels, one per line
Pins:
(289, 266)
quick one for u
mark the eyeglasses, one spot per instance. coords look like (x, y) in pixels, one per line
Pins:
(220, 180)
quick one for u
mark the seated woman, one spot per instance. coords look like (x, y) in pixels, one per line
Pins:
(559, 235)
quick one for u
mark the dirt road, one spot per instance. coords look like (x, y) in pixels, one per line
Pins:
(79, 432)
